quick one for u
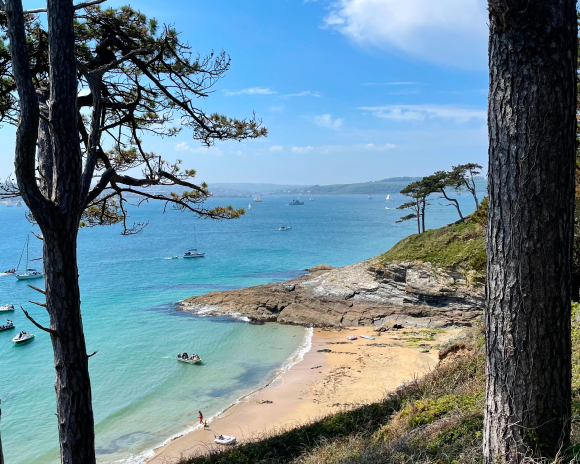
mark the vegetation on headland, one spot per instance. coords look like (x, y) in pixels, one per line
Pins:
(459, 246)
(435, 419)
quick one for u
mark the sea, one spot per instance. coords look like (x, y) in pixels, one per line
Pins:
(142, 396)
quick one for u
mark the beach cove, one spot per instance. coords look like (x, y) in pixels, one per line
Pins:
(335, 374)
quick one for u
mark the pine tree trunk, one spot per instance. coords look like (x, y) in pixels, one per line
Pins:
(455, 203)
(423, 215)
(532, 122)
(72, 383)
(1, 453)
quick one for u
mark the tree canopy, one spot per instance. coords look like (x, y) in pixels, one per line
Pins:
(136, 79)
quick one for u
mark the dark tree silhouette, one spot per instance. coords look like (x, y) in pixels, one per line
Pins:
(417, 191)
(437, 183)
(532, 123)
(83, 87)
(464, 175)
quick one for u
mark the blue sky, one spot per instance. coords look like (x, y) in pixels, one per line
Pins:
(350, 90)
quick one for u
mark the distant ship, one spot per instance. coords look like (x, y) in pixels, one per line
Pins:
(249, 206)
(296, 202)
(388, 197)
(258, 199)
(19, 203)
(370, 197)
(311, 199)
(9, 204)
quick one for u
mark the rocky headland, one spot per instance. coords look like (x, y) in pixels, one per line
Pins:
(397, 293)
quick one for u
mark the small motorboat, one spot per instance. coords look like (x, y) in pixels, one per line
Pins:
(9, 308)
(184, 358)
(366, 337)
(8, 326)
(225, 440)
(285, 228)
(173, 257)
(22, 338)
(351, 337)
(193, 254)
(10, 271)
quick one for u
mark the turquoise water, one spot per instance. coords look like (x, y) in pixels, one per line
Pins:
(141, 395)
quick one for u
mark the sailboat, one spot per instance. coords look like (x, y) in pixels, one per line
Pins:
(9, 204)
(311, 199)
(258, 199)
(193, 253)
(388, 197)
(370, 197)
(286, 227)
(28, 273)
(249, 206)
(19, 204)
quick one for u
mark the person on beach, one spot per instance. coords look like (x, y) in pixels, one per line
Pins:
(200, 417)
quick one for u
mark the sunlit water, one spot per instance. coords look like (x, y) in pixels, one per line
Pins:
(141, 395)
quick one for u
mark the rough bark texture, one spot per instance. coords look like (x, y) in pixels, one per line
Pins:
(57, 206)
(1, 453)
(532, 121)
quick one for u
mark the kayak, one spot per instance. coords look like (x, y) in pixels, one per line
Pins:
(225, 440)
(351, 337)
(367, 337)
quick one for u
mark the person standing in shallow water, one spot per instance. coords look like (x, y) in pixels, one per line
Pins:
(200, 417)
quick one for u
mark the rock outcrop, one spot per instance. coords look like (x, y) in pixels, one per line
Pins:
(362, 294)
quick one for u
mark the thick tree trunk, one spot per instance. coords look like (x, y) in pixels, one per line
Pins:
(72, 383)
(1, 452)
(532, 121)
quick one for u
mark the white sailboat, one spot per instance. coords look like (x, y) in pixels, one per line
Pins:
(311, 199)
(193, 253)
(388, 197)
(28, 273)
(286, 227)
(19, 204)
(9, 204)
(370, 197)
(258, 199)
(249, 206)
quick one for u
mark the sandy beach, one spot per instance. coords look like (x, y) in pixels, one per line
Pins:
(350, 374)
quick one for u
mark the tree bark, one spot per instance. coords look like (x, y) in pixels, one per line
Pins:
(423, 204)
(418, 217)
(72, 383)
(1, 453)
(532, 101)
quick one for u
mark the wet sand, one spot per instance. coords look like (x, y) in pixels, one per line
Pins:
(352, 373)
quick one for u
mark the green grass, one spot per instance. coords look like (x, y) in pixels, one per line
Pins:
(459, 246)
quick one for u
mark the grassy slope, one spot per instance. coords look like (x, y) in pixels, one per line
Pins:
(459, 246)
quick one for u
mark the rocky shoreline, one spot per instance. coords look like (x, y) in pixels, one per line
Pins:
(362, 294)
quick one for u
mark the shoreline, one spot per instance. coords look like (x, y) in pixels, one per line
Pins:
(319, 382)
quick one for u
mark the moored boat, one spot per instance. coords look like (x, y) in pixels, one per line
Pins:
(193, 254)
(258, 199)
(8, 326)
(184, 358)
(296, 202)
(9, 308)
(22, 338)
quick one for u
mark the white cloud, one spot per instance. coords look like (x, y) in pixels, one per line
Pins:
(302, 149)
(380, 147)
(423, 112)
(250, 91)
(184, 146)
(450, 32)
(326, 120)
(305, 93)
(276, 148)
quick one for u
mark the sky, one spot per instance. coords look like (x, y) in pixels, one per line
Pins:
(350, 90)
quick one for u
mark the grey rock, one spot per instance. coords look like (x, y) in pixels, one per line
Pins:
(403, 294)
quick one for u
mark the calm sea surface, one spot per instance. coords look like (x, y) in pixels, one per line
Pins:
(141, 395)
